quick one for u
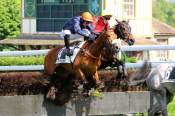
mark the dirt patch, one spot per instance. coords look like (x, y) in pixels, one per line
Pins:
(22, 83)
(32, 83)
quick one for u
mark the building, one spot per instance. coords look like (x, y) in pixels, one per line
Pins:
(164, 35)
(48, 16)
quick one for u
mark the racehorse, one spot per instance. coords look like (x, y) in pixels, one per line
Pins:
(160, 82)
(88, 59)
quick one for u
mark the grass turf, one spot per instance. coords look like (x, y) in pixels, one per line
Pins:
(171, 108)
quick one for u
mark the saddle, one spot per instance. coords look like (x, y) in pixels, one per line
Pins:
(62, 56)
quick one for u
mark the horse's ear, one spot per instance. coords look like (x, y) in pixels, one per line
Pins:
(117, 20)
(127, 21)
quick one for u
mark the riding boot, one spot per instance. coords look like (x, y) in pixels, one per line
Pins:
(67, 41)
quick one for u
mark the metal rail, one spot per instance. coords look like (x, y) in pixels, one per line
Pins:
(41, 67)
(23, 53)
(44, 52)
(147, 47)
(123, 48)
(22, 68)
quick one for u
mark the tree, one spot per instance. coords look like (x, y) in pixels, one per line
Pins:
(164, 11)
(9, 18)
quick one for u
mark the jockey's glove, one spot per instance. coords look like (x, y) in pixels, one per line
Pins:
(84, 32)
(92, 37)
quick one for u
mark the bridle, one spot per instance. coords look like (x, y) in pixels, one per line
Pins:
(107, 44)
(123, 31)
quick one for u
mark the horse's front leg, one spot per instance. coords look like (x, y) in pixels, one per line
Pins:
(98, 82)
(96, 78)
(80, 75)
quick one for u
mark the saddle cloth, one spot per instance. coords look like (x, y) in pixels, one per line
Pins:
(62, 55)
(170, 73)
(169, 83)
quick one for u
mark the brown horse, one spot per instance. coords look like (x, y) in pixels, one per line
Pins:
(88, 59)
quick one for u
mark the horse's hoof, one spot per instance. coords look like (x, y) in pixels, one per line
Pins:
(100, 85)
(95, 93)
(51, 93)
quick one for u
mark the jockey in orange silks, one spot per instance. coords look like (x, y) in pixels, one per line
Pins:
(79, 25)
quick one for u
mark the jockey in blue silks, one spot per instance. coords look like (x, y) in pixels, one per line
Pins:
(81, 25)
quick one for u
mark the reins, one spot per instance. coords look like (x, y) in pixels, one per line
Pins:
(92, 56)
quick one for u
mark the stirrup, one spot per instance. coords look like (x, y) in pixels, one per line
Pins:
(69, 52)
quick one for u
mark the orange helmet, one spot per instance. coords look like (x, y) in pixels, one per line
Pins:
(87, 16)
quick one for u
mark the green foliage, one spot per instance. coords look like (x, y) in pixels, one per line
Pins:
(164, 11)
(171, 107)
(12, 61)
(9, 18)
(132, 60)
(8, 47)
(125, 58)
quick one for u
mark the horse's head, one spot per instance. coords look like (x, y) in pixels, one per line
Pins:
(123, 31)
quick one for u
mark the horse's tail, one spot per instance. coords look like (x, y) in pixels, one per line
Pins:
(141, 75)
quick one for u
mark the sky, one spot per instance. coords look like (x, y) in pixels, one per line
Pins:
(172, 0)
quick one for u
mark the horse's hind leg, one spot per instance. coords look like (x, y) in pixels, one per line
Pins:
(160, 103)
(155, 104)
(163, 102)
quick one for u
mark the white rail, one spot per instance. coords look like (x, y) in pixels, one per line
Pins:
(123, 48)
(43, 52)
(41, 67)
(147, 47)
(22, 68)
(23, 53)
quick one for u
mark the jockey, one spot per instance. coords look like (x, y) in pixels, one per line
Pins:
(81, 25)
(102, 22)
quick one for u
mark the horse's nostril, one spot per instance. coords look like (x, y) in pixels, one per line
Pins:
(131, 42)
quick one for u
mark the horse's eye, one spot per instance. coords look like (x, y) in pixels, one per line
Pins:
(123, 29)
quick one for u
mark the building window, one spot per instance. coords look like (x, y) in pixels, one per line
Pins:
(128, 8)
(52, 14)
(51, 17)
(162, 54)
(61, 1)
(29, 8)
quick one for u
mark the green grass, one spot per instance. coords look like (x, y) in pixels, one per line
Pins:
(171, 108)
(12, 61)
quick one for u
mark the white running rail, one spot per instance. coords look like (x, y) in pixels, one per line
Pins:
(44, 52)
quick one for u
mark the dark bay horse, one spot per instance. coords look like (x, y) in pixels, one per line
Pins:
(88, 60)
